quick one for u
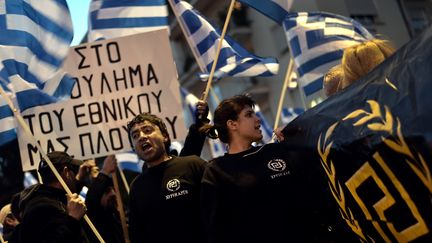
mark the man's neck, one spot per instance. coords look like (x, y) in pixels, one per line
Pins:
(163, 158)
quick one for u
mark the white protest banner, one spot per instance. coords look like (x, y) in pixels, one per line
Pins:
(115, 80)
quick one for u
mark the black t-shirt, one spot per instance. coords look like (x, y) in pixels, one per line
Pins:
(164, 202)
(259, 195)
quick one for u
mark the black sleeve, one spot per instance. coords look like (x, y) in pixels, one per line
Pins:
(96, 191)
(48, 221)
(209, 207)
(194, 142)
(135, 223)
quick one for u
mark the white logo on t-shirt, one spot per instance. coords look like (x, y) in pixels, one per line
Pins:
(277, 165)
(173, 185)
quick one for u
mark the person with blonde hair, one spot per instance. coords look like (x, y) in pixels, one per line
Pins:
(357, 61)
(332, 80)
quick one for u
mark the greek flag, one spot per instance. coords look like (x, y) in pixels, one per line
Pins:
(217, 148)
(115, 18)
(34, 39)
(266, 130)
(274, 9)
(316, 41)
(129, 161)
(289, 114)
(203, 39)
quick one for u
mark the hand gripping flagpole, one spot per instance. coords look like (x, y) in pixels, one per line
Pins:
(26, 128)
(282, 95)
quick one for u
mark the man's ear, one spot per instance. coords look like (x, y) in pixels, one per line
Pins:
(232, 125)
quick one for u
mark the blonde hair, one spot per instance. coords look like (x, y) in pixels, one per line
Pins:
(360, 59)
(332, 80)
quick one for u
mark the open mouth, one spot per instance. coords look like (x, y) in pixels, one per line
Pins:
(145, 147)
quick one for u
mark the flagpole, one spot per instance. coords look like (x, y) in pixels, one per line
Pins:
(225, 27)
(120, 208)
(122, 175)
(26, 128)
(282, 95)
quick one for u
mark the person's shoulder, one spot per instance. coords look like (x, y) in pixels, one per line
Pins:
(190, 159)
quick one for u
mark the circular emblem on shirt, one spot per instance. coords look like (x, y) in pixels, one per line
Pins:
(277, 165)
(173, 185)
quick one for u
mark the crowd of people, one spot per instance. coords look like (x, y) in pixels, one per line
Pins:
(251, 194)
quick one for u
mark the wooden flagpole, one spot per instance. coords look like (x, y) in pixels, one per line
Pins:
(282, 95)
(26, 128)
(120, 208)
(225, 27)
(123, 177)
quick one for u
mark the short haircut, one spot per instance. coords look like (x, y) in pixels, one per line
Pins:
(155, 121)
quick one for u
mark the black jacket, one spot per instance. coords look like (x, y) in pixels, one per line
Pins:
(106, 221)
(45, 217)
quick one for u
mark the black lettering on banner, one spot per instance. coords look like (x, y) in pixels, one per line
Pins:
(110, 53)
(109, 109)
(95, 113)
(81, 64)
(119, 79)
(171, 122)
(61, 140)
(115, 135)
(89, 80)
(126, 107)
(104, 80)
(31, 151)
(100, 139)
(59, 118)
(29, 121)
(157, 96)
(96, 48)
(135, 72)
(78, 115)
(140, 109)
(45, 124)
(151, 74)
(119, 107)
(84, 145)
(76, 87)
(50, 146)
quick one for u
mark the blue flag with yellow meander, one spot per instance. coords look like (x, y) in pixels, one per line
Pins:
(373, 143)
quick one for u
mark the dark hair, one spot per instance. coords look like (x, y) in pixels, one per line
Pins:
(154, 120)
(59, 160)
(229, 109)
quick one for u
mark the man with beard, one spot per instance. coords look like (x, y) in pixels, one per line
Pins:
(102, 205)
(164, 198)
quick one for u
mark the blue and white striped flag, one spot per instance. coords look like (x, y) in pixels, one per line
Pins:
(129, 161)
(316, 41)
(266, 130)
(116, 18)
(34, 37)
(217, 148)
(203, 39)
(274, 9)
(289, 114)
